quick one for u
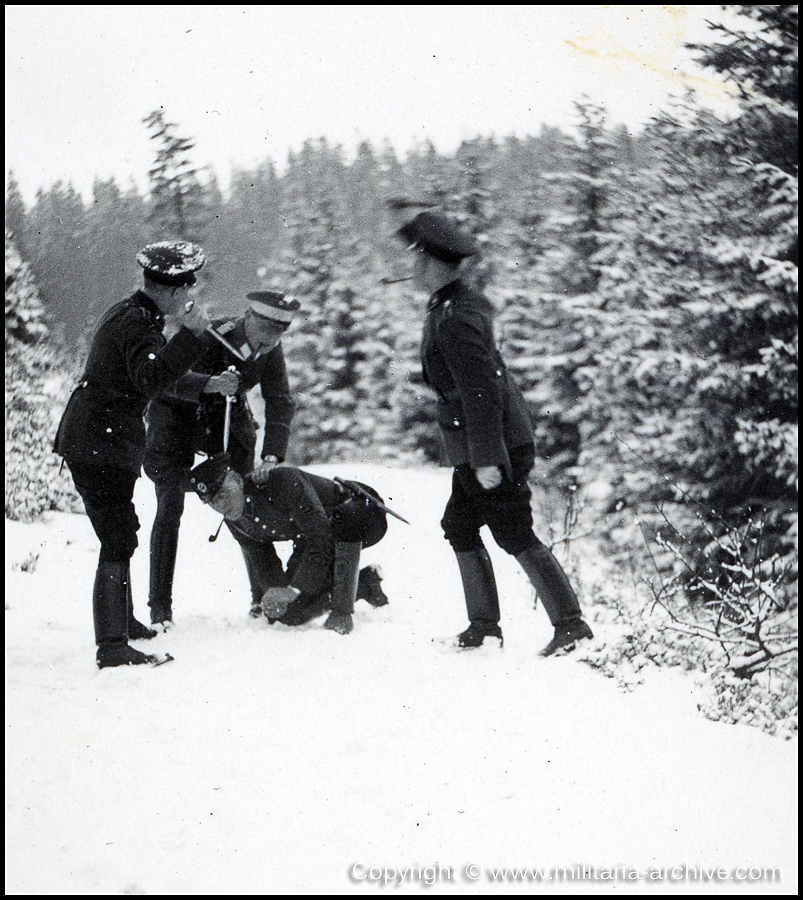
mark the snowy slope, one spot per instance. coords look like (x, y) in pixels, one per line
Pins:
(270, 760)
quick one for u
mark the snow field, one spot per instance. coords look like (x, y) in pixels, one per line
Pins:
(274, 760)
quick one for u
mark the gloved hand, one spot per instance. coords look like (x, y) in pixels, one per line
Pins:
(489, 477)
(275, 601)
(261, 472)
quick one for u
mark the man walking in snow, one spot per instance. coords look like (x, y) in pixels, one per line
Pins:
(329, 523)
(487, 438)
(101, 436)
(207, 411)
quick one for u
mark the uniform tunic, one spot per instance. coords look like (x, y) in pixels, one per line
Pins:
(482, 414)
(101, 435)
(483, 421)
(129, 363)
(185, 420)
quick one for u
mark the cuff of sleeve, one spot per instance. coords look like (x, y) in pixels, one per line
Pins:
(277, 436)
(485, 456)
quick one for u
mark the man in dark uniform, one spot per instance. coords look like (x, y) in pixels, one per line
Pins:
(206, 411)
(329, 523)
(487, 437)
(101, 435)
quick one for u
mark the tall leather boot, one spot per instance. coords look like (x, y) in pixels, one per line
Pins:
(560, 601)
(164, 548)
(344, 587)
(482, 599)
(137, 631)
(110, 612)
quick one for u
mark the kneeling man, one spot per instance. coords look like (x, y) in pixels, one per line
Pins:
(329, 523)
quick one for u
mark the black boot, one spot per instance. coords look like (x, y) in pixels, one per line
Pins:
(344, 587)
(476, 633)
(482, 599)
(137, 631)
(110, 612)
(164, 547)
(567, 635)
(369, 587)
(560, 601)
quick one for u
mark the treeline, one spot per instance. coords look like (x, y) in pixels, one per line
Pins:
(646, 289)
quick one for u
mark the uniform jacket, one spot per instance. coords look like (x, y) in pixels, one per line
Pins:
(185, 415)
(294, 506)
(129, 363)
(482, 414)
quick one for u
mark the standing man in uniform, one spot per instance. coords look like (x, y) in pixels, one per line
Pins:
(101, 436)
(487, 437)
(207, 412)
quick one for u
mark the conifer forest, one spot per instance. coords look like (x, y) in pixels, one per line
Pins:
(646, 288)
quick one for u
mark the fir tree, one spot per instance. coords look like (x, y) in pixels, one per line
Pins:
(15, 212)
(696, 339)
(589, 189)
(115, 232)
(36, 390)
(247, 234)
(177, 208)
(59, 245)
(471, 201)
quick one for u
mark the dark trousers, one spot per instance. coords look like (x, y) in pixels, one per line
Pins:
(263, 566)
(504, 509)
(108, 495)
(166, 467)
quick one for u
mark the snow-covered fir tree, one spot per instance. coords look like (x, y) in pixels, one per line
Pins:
(15, 212)
(580, 229)
(697, 334)
(338, 348)
(37, 386)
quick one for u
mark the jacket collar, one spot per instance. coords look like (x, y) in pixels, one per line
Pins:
(442, 295)
(149, 306)
(459, 293)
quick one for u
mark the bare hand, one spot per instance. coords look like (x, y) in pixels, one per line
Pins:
(489, 477)
(275, 601)
(194, 317)
(263, 470)
(227, 384)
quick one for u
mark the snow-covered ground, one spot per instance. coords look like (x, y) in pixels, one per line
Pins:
(270, 760)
